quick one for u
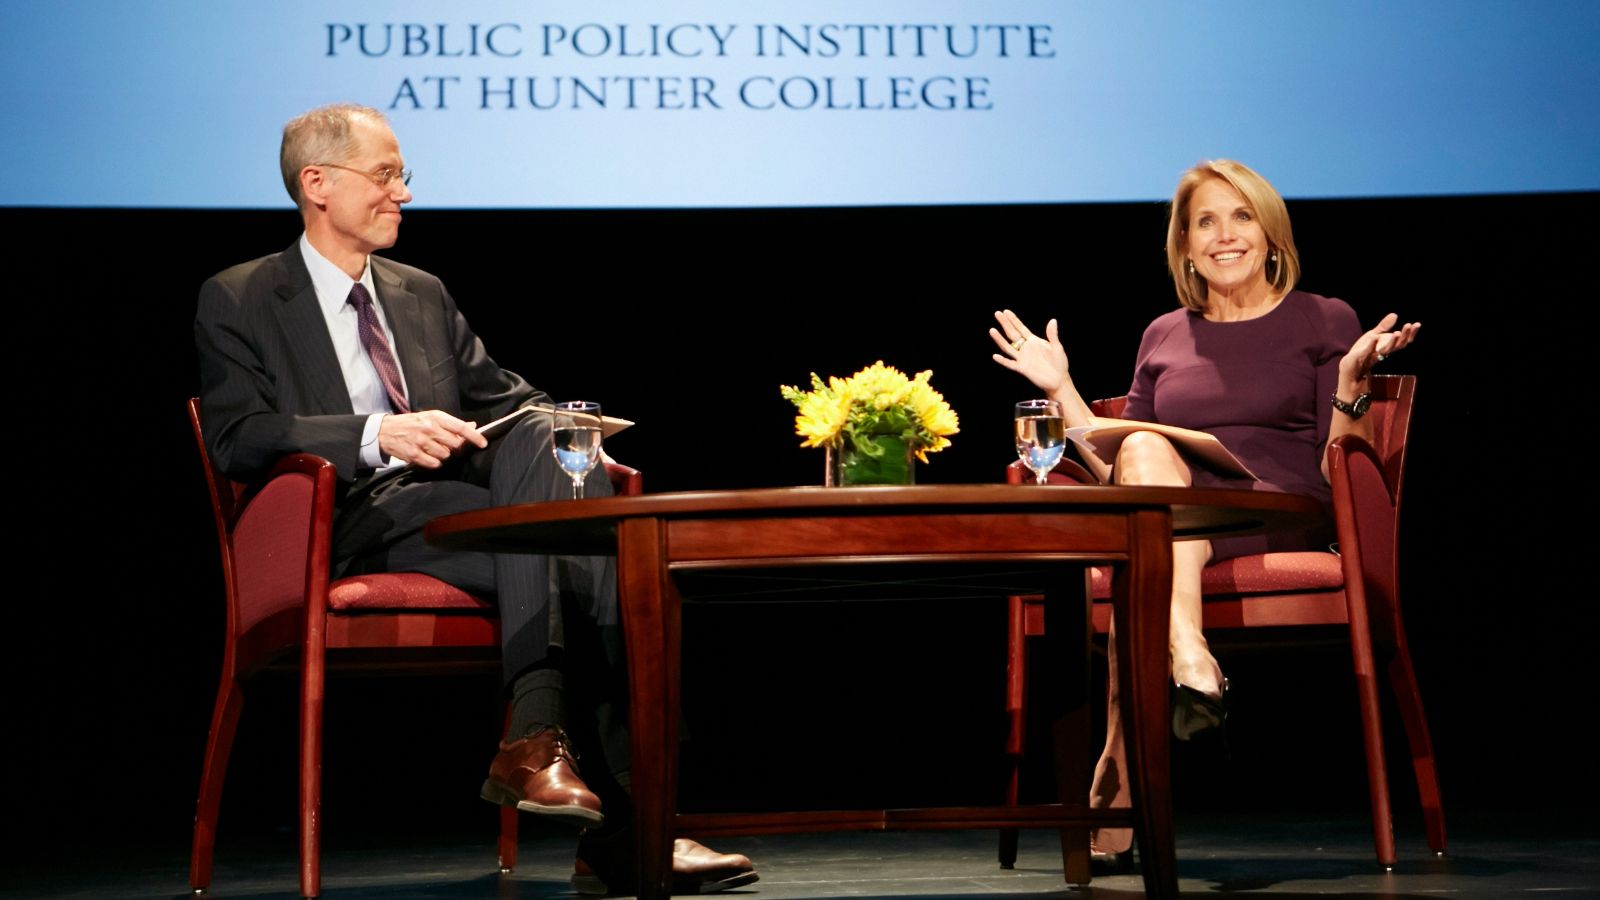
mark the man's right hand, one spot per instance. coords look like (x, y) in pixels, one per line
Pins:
(426, 438)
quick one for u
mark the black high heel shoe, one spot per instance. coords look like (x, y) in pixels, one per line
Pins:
(1103, 863)
(1195, 713)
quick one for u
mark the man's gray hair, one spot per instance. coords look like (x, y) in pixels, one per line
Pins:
(323, 135)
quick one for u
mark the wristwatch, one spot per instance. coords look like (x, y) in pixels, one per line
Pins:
(1354, 410)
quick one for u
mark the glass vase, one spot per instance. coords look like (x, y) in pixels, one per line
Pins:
(874, 459)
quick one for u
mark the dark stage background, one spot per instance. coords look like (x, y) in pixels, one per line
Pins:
(687, 322)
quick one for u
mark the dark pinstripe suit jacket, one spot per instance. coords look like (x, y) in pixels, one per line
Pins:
(270, 383)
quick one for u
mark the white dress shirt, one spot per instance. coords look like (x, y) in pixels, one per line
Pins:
(367, 394)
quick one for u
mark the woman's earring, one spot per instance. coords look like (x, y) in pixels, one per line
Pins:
(1190, 264)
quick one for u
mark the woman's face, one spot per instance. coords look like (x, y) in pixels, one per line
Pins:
(1226, 243)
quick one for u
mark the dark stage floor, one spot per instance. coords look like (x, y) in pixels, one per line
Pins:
(1231, 855)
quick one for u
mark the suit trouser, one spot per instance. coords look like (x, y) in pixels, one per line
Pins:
(555, 611)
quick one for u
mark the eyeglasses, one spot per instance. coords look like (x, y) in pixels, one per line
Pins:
(382, 178)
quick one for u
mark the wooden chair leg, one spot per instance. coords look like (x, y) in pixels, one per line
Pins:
(1068, 639)
(213, 770)
(311, 698)
(1403, 680)
(1371, 726)
(1008, 848)
(507, 846)
(1377, 773)
(1008, 836)
(1016, 713)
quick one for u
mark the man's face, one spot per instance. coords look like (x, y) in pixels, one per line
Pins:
(363, 216)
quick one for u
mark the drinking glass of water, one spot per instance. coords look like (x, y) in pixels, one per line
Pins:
(1041, 435)
(575, 433)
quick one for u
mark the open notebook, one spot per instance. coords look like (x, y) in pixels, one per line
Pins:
(608, 424)
(1103, 437)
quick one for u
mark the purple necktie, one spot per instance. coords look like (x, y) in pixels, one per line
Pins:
(377, 347)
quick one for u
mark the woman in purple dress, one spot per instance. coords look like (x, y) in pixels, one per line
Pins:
(1272, 372)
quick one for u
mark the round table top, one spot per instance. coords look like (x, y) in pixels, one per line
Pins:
(589, 525)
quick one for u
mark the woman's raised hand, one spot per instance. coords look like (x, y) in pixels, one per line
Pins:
(1041, 360)
(1375, 346)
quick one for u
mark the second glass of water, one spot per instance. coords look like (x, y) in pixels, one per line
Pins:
(575, 432)
(1041, 436)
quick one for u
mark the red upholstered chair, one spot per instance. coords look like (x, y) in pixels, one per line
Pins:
(1357, 589)
(283, 609)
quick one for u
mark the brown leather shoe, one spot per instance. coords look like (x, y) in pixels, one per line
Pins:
(707, 871)
(537, 774)
(696, 868)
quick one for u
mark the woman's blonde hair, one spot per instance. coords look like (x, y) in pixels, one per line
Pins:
(1270, 213)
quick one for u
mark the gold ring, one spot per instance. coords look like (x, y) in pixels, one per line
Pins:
(1017, 344)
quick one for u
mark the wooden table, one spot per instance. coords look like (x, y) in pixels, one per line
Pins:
(659, 536)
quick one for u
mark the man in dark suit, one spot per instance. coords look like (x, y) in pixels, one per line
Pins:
(326, 349)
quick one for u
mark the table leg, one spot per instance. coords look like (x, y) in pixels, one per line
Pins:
(651, 617)
(1142, 598)
(1063, 663)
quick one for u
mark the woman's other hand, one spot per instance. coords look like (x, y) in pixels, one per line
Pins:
(1042, 361)
(1374, 347)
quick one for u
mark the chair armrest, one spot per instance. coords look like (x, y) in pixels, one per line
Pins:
(625, 480)
(1344, 450)
(308, 464)
(1365, 515)
(280, 542)
(299, 463)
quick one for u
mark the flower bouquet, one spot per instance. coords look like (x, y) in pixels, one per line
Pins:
(873, 423)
